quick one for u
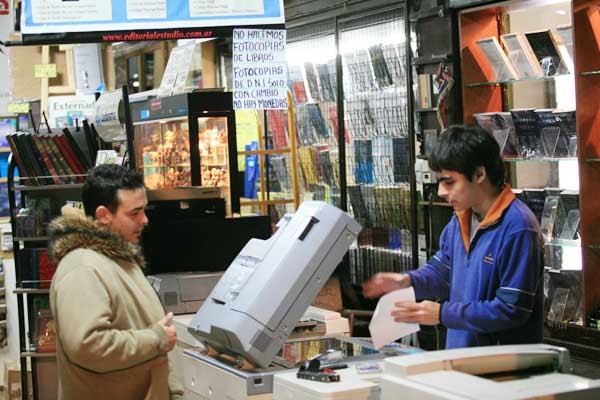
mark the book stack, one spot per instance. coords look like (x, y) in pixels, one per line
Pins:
(401, 159)
(327, 175)
(48, 159)
(277, 128)
(359, 72)
(383, 161)
(363, 159)
(359, 208)
(312, 83)
(280, 172)
(327, 81)
(366, 260)
(44, 336)
(37, 267)
(297, 84)
(311, 124)
(307, 165)
(379, 65)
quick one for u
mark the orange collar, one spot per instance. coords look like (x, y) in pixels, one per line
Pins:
(501, 203)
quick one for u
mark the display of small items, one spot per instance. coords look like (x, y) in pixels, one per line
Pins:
(33, 219)
(166, 160)
(212, 143)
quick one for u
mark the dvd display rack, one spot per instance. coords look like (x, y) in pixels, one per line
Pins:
(520, 83)
(348, 83)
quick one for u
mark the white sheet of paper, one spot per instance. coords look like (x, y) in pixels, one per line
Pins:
(383, 328)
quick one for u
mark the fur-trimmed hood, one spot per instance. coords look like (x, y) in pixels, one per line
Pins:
(75, 230)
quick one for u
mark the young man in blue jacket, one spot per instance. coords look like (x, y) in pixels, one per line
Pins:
(487, 275)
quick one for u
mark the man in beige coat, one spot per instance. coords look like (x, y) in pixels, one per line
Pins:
(113, 335)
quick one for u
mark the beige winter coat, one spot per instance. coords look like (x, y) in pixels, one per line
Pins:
(109, 345)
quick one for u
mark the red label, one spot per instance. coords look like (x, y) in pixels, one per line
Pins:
(4, 7)
(155, 104)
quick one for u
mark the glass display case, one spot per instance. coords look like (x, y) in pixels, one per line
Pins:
(187, 140)
(163, 153)
(214, 152)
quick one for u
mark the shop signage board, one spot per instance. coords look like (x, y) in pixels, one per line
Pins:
(259, 69)
(149, 17)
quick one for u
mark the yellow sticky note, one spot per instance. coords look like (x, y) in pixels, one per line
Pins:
(45, 71)
(18, 108)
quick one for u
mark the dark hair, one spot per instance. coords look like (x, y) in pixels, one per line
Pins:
(102, 184)
(464, 149)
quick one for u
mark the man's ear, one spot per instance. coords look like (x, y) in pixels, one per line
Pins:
(103, 215)
(480, 174)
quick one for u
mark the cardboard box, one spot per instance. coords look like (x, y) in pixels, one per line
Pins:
(12, 381)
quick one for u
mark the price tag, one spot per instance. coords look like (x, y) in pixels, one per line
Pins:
(45, 71)
(18, 108)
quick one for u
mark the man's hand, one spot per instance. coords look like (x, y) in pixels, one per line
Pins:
(385, 282)
(169, 329)
(425, 312)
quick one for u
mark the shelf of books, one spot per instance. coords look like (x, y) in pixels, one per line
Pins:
(64, 186)
(34, 202)
(520, 82)
(48, 159)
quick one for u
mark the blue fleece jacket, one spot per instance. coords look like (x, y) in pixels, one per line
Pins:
(493, 284)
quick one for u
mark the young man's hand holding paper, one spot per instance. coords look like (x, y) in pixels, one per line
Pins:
(383, 328)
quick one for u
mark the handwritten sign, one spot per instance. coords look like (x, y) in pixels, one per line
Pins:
(45, 70)
(259, 69)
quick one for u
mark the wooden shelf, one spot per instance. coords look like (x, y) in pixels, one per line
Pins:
(433, 59)
(435, 203)
(30, 238)
(4, 149)
(31, 291)
(590, 73)
(539, 160)
(496, 83)
(36, 188)
(35, 354)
